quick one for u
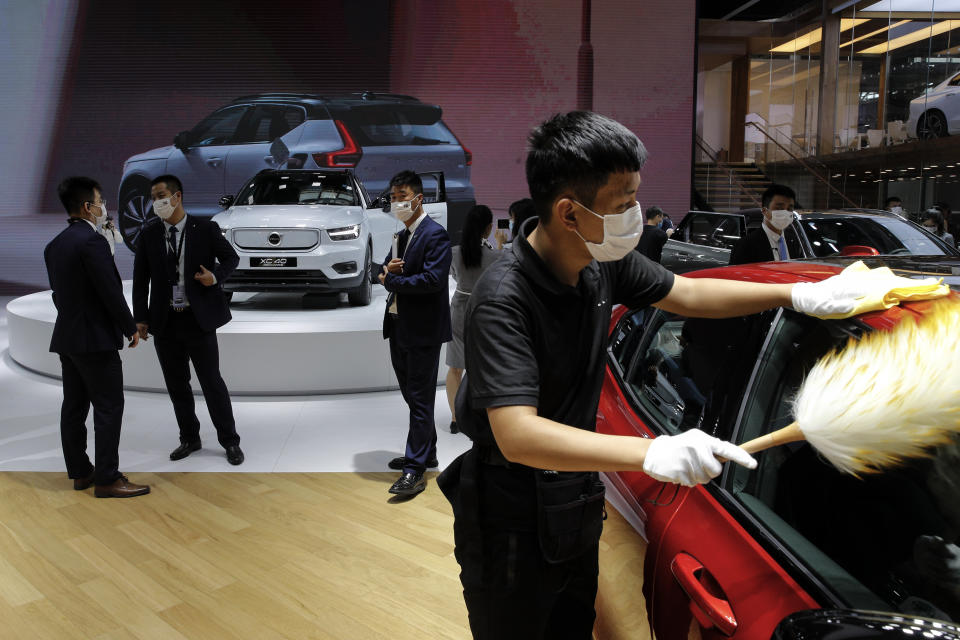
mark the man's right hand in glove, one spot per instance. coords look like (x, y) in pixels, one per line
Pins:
(691, 458)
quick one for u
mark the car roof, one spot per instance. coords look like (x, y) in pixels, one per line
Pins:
(811, 214)
(817, 269)
(360, 97)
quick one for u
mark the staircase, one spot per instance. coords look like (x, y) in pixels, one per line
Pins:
(713, 182)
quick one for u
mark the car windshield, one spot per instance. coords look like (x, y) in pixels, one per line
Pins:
(305, 188)
(828, 236)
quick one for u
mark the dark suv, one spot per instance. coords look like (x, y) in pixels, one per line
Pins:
(373, 134)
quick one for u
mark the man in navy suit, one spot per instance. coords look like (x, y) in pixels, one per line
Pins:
(768, 242)
(417, 323)
(92, 320)
(181, 262)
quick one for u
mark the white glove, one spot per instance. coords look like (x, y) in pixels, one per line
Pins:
(835, 296)
(691, 458)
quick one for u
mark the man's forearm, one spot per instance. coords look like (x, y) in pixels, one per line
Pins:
(526, 438)
(716, 298)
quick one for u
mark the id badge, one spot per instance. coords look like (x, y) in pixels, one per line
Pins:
(179, 297)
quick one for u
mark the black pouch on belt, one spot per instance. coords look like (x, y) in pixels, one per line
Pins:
(570, 513)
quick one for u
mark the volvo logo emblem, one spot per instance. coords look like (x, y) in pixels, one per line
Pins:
(274, 238)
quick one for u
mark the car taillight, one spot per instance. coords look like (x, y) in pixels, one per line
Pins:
(348, 156)
(468, 156)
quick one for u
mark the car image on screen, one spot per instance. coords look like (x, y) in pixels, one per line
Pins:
(375, 135)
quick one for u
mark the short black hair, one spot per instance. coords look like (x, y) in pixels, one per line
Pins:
(76, 190)
(652, 212)
(933, 214)
(522, 210)
(173, 183)
(777, 190)
(407, 179)
(578, 151)
(891, 199)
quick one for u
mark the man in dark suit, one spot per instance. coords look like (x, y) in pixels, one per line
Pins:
(653, 237)
(767, 243)
(417, 323)
(92, 320)
(186, 306)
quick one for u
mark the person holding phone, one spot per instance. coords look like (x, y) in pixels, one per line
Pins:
(470, 259)
(92, 320)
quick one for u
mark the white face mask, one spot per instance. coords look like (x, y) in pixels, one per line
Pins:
(621, 232)
(163, 208)
(781, 219)
(100, 219)
(403, 209)
(897, 210)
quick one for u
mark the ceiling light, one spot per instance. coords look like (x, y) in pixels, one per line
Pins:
(873, 33)
(815, 36)
(922, 33)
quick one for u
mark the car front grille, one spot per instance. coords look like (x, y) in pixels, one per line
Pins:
(283, 239)
(276, 277)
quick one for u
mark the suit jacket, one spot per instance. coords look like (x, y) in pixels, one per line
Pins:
(754, 247)
(92, 314)
(422, 290)
(205, 245)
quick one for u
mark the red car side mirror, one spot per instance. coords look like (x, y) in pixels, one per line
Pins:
(858, 250)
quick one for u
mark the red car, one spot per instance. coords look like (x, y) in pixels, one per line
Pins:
(735, 557)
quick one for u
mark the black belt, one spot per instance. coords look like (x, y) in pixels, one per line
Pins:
(179, 309)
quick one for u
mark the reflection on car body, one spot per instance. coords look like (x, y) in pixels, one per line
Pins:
(736, 556)
(705, 238)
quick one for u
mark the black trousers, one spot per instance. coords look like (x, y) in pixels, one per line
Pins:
(518, 594)
(183, 342)
(97, 379)
(416, 369)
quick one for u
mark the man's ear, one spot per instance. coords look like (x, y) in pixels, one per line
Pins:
(564, 211)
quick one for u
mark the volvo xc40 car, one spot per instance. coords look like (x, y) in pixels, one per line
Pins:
(375, 135)
(313, 231)
(936, 113)
(704, 239)
(737, 556)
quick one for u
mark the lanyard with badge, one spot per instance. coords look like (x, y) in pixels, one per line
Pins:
(179, 296)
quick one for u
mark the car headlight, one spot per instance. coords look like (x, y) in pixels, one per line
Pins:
(344, 233)
(224, 230)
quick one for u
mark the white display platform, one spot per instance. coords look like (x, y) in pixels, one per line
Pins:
(276, 344)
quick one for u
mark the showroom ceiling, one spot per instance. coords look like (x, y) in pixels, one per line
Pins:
(757, 10)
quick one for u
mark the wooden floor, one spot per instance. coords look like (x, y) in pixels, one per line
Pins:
(246, 555)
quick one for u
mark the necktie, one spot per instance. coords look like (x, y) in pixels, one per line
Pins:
(173, 266)
(782, 246)
(402, 243)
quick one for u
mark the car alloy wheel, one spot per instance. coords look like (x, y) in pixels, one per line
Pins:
(134, 210)
(932, 125)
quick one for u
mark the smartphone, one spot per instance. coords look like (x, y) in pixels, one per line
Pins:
(503, 223)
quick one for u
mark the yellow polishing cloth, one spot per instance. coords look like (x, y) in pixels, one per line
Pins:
(882, 289)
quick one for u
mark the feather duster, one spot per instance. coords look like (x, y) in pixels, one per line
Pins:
(889, 396)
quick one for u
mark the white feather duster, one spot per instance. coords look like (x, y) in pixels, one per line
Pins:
(888, 396)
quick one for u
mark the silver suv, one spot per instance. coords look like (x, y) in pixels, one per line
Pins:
(375, 135)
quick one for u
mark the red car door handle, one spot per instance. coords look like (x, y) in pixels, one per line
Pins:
(707, 600)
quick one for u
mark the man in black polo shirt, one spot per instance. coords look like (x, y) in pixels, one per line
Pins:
(536, 333)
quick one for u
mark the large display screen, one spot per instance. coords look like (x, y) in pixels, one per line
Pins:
(103, 88)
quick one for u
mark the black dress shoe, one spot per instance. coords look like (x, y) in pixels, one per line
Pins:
(234, 454)
(453, 427)
(399, 463)
(409, 484)
(185, 449)
(79, 484)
